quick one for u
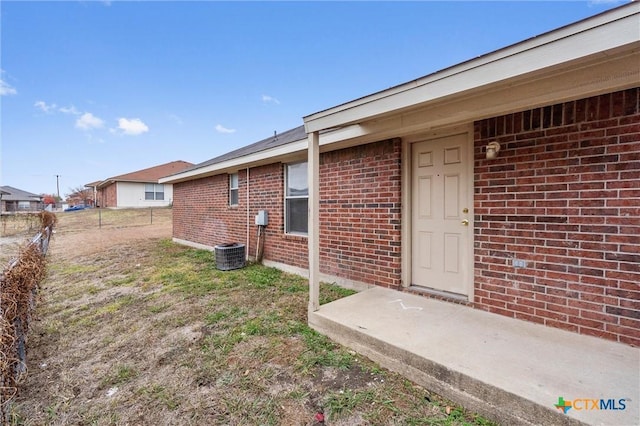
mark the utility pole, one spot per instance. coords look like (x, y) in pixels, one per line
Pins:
(58, 185)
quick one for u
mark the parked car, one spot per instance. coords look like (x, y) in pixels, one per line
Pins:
(74, 208)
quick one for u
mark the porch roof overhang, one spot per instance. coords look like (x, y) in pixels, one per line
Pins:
(597, 55)
(105, 183)
(591, 57)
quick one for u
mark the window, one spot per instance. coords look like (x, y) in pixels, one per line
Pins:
(153, 191)
(296, 198)
(233, 189)
(24, 205)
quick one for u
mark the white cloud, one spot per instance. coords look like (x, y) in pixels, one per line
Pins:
(88, 121)
(133, 126)
(221, 129)
(270, 100)
(51, 108)
(69, 110)
(42, 105)
(6, 89)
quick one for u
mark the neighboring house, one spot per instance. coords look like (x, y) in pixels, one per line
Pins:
(509, 183)
(84, 197)
(137, 189)
(93, 189)
(16, 200)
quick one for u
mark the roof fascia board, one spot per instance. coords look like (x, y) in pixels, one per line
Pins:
(110, 181)
(618, 73)
(586, 38)
(267, 156)
(105, 183)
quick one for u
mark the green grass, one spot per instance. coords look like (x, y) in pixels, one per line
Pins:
(122, 374)
(158, 308)
(345, 401)
(226, 347)
(159, 394)
(236, 319)
(262, 277)
(75, 269)
(322, 352)
(123, 281)
(330, 293)
(116, 305)
(224, 314)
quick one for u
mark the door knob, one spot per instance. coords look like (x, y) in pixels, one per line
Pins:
(465, 222)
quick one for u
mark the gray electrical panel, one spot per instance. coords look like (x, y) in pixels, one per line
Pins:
(262, 218)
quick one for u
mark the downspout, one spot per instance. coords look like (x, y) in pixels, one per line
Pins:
(248, 222)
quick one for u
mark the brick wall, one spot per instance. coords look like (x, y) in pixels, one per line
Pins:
(359, 213)
(108, 196)
(201, 211)
(563, 195)
(267, 193)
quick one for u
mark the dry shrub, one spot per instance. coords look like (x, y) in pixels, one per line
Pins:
(18, 285)
(47, 219)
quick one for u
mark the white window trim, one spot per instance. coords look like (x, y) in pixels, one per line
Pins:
(155, 191)
(236, 188)
(24, 205)
(292, 197)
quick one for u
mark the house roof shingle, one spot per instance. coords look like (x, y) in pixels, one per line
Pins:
(279, 139)
(10, 193)
(151, 174)
(93, 184)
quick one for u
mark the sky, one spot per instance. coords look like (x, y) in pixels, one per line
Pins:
(95, 89)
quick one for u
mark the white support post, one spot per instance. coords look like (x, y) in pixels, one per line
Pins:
(313, 164)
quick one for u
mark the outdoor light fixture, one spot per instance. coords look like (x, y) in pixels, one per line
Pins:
(492, 150)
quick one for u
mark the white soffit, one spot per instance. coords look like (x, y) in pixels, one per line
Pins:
(585, 39)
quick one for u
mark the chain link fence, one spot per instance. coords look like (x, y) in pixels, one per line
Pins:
(18, 289)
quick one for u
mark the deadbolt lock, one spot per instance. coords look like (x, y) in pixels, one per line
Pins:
(465, 210)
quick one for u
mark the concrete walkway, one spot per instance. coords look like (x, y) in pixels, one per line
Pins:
(510, 371)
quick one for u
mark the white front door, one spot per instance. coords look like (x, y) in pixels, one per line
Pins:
(441, 214)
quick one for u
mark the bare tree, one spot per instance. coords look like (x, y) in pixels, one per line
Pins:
(80, 195)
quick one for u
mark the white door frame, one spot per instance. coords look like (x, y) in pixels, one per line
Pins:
(407, 204)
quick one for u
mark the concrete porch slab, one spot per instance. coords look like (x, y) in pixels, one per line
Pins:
(508, 370)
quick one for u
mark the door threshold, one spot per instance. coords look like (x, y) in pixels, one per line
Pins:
(439, 294)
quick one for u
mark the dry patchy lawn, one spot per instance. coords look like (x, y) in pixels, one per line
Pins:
(134, 329)
(15, 232)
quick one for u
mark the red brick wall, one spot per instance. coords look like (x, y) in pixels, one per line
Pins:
(201, 211)
(267, 193)
(108, 196)
(563, 195)
(359, 213)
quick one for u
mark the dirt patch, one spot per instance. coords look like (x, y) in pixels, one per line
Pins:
(106, 241)
(16, 230)
(10, 247)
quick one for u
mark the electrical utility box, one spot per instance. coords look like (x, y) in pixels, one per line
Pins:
(262, 218)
